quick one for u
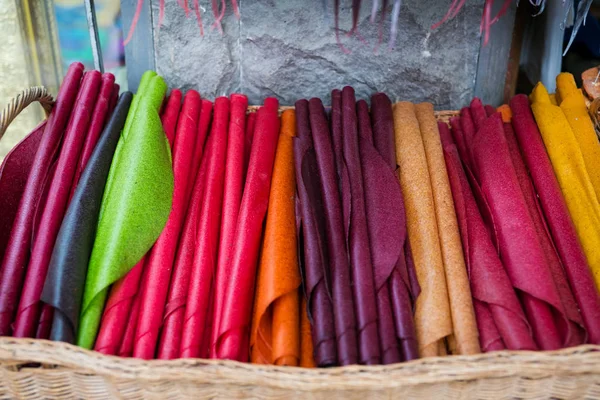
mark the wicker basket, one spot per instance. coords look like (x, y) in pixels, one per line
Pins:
(35, 369)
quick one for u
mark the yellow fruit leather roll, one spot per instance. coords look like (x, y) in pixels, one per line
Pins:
(573, 106)
(572, 175)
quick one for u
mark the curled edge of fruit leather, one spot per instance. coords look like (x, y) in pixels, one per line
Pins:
(490, 284)
(63, 288)
(341, 288)
(310, 220)
(275, 335)
(570, 170)
(557, 216)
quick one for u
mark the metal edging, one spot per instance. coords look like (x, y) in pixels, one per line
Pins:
(90, 12)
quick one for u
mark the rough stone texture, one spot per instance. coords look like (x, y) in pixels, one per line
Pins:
(287, 49)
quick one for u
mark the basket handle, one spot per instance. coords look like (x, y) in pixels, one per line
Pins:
(19, 103)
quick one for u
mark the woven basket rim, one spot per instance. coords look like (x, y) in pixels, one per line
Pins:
(582, 360)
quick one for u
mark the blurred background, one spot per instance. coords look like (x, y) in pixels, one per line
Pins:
(40, 39)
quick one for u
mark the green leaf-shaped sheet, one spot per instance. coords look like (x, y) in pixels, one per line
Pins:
(136, 203)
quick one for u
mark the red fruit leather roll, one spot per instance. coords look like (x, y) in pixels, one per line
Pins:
(99, 117)
(28, 313)
(557, 216)
(500, 318)
(384, 255)
(250, 124)
(126, 349)
(310, 222)
(489, 337)
(170, 336)
(114, 98)
(45, 324)
(157, 272)
(459, 138)
(358, 236)
(572, 330)
(520, 249)
(234, 321)
(203, 128)
(169, 116)
(386, 220)
(343, 303)
(468, 131)
(117, 313)
(205, 346)
(13, 177)
(123, 297)
(207, 240)
(16, 256)
(478, 113)
(232, 196)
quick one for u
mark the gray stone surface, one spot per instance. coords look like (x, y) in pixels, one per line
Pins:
(287, 49)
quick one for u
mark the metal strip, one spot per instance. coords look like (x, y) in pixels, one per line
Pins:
(494, 57)
(90, 12)
(139, 52)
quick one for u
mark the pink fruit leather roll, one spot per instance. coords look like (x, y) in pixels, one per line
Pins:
(500, 318)
(571, 329)
(207, 240)
(157, 273)
(117, 314)
(16, 256)
(557, 215)
(519, 246)
(234, 321)
(101, 113)
(28, 313)
(232, 196)
(170, 337)
(170, 115)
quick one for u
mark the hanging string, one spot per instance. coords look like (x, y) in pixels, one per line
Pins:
(134, 21)
(198, 17)
(395, 18)
(336, 6)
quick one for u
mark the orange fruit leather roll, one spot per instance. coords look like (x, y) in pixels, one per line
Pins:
(307, 359)
(465, 338)
(433, 320)
(275, 334)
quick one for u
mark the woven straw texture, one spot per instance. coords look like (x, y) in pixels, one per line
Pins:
(70, 372)
(40, 369)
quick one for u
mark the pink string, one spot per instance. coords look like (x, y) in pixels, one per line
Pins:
(161, 13)
(458, 8)
(199, 17)
(136, 17)
(447, 16)
(337, 27)
(218, 16)
(236, 9)
(484, 27)
(503, 11)
(355, 11)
